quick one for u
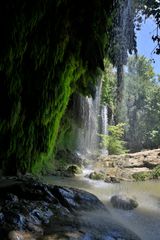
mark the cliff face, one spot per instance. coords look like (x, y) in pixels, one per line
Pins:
(48, 50)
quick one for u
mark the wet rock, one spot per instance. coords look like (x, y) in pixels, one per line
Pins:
(73, 170)
(96, 176)
(151, 163)
(13, 235)
(112, 179)
(89, 226)
(53, 213)
(123, 202)
(29, 205)
(74, 199)
(20, 235)
(35, 228)
(14, 219)
(1, 217)
(11, 198)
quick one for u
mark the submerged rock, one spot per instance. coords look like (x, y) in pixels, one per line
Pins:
(123, 202)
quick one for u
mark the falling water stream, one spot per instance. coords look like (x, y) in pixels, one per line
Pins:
(144, 221)
(88, 112)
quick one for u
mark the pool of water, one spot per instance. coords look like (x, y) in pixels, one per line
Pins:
(144, 220)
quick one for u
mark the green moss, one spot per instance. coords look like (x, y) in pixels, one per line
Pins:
(74, 169)
(47, 53)
(97, 176)
(53, 118)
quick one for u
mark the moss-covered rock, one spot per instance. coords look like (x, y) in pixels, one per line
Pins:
(74, 170)
(97, 176)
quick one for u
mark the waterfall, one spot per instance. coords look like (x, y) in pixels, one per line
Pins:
(104, 125)
(91, 118)
(87, 112)
(104, 120)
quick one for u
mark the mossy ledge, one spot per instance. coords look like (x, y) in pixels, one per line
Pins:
(49, 49)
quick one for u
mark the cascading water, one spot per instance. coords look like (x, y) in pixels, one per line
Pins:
(91, 120)
(104, 125)
(104, 116)
(87, 112)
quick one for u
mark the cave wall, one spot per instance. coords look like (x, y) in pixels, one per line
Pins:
(48, 50)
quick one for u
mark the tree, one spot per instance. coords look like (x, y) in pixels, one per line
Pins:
(108, 96)
(113, 141)
(140, 105)
(150, 8)
(152, 117)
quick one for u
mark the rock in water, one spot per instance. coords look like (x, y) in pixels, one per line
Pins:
(31, 210)
(123, 202)
(97, 175)
(72, 170)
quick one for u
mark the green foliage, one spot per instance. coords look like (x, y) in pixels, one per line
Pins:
(151, 9)
(156, 172)
(142, 176)
(113, 142)
(109, 86)
(140, 107)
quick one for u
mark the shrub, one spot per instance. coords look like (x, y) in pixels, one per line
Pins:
(113, 142)
(156, 172)
(142, 176)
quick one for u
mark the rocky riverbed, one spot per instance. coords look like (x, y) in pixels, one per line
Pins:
(143, 165)
(30, 210)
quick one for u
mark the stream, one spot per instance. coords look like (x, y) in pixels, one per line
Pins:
(144, 220)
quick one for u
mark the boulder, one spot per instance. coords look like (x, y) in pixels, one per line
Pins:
(27, 205)
(76, 199)
(111, 179)
(97, 175)
(54, 212)
(123, 202)
(73, 170)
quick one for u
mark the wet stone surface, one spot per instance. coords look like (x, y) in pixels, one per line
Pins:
(30, 209)
(123, 202)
